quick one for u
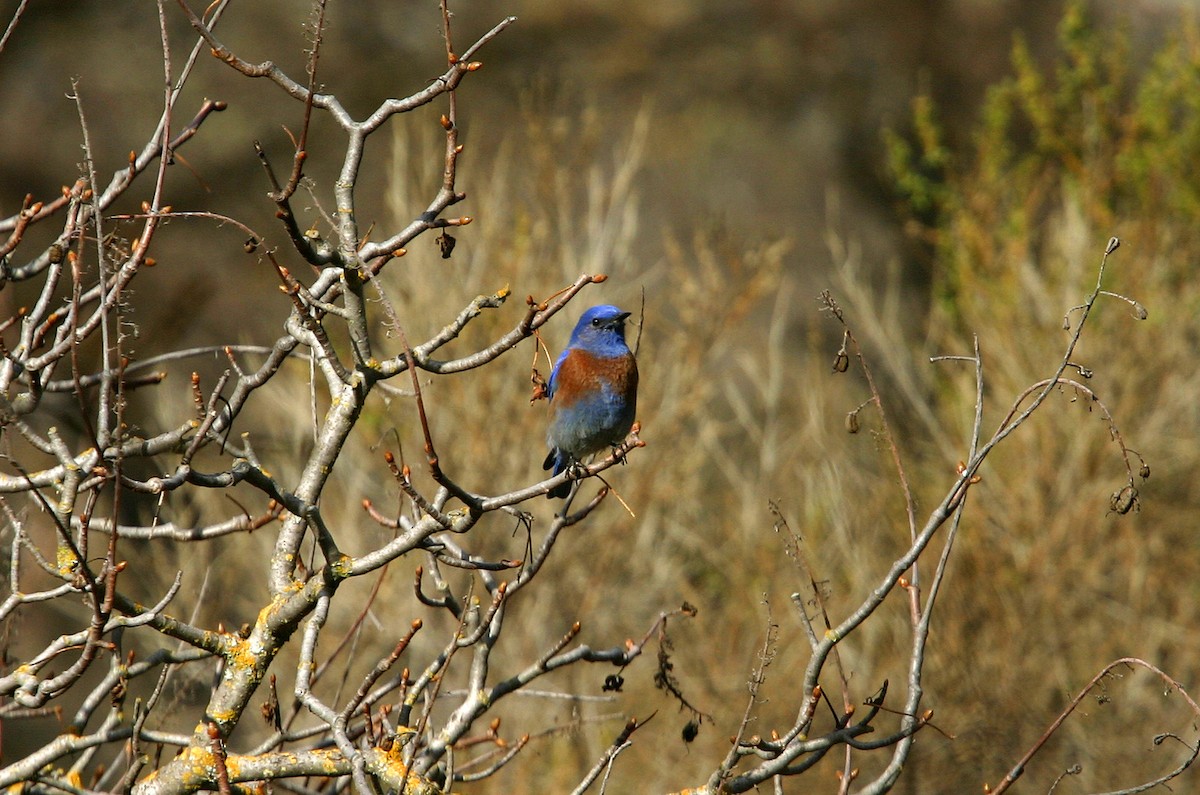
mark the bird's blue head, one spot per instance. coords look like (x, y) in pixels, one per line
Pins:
(601, 330)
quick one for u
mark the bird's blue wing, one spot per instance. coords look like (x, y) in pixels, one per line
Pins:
(554, 373)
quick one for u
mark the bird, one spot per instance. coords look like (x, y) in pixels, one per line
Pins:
(592, 391)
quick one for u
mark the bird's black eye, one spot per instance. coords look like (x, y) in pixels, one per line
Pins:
(596, 322)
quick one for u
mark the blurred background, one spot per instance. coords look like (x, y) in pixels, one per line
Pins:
(725, 163)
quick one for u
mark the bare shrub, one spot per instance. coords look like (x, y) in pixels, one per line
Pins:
(323, 559)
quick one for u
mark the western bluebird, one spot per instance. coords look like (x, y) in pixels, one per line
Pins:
(593, 391)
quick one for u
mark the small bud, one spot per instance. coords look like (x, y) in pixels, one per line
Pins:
(852, 422)
(474, 66)
(446, 123)
(150, 262)
(1144, 471)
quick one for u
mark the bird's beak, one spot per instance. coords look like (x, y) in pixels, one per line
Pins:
(621, 318)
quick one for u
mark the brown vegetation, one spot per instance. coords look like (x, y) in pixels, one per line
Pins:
(749, 512)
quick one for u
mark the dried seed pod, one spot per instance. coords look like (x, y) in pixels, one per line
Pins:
(690, 731)
(613, 683)
(852, 422)
(841, 362)
(1124, 501)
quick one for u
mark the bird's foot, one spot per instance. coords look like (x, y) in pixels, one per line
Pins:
(577, 470)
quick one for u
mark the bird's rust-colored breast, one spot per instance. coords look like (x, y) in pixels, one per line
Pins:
(582, 374)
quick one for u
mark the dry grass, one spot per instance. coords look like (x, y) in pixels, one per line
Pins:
(738, 406)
